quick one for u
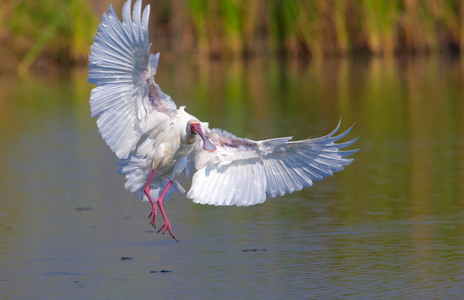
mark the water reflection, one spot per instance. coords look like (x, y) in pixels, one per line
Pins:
(389, 225)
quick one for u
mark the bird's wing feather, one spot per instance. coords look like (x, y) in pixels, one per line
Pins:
(126, 96)
(245, 172)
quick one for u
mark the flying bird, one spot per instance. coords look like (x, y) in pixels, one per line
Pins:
(155, 141)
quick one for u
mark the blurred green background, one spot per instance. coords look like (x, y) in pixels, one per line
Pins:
(59, 33)
(389, 226)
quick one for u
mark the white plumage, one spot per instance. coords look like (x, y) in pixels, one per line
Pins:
(155, 141)
(245, 172)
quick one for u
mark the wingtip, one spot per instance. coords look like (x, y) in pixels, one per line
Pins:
(137, 7)
(337, 128)
(154, 60)
(126, 12)
(341, 135)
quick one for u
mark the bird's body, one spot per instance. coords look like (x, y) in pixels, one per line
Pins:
(156, 142)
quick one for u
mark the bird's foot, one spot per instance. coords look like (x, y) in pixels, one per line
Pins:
(167, 227)
(152, 218)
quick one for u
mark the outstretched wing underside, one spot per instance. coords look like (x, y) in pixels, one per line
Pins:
(245, 172)
(121, 66)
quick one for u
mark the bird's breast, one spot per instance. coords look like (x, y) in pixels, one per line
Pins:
(166, 151)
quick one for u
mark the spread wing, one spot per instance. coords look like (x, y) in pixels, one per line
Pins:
(245, 172)
(126, 100)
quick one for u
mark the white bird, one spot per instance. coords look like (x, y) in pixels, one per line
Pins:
(155, 141)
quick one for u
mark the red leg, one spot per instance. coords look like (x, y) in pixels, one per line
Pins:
(166, 226)
(152, 215)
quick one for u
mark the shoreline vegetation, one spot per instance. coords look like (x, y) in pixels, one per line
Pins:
(46, 33)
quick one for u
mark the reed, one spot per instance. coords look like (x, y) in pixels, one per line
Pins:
(57, 30)
(63, 30)
(328, 27)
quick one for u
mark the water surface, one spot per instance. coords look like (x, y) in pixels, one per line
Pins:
(390, 225)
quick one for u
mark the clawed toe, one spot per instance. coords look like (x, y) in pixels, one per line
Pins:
(167, 227)
(152, 216)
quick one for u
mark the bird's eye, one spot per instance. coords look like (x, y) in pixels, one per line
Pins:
(195, 128)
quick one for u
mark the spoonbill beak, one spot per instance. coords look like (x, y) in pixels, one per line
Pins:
(207, 145)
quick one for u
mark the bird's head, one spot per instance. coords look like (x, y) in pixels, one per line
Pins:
(195, 128)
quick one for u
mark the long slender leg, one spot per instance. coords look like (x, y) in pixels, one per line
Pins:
(152, 215)
(166, 226)
(179, 166)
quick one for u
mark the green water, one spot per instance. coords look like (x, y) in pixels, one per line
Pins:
(388, 226)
